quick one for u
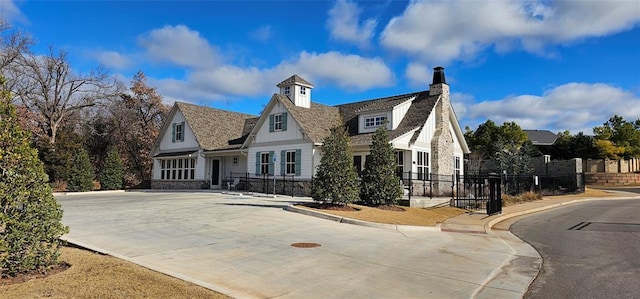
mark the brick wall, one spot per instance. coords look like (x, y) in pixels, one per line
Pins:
(611, 166)
(168, 184)
(612, 179)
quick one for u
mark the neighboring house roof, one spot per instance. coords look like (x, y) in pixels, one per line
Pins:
(541, 137)
(293, 80)
(216, 129)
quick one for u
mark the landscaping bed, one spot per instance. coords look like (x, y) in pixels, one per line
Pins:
(92, 275)
(391, 214)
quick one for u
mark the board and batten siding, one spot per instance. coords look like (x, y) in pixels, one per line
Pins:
(399, 111)
(293, 131)
(167, 143)
(306, 157)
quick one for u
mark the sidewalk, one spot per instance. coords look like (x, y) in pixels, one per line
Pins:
(482, 223)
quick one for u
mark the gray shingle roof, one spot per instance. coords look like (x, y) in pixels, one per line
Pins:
(541, 137)
(415, 117)
(216, 128)
(316, 121)
(294, 79)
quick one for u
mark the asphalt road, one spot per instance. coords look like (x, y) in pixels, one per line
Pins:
(590, 250)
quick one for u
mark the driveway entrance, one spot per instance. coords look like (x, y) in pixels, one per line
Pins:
(241, 246)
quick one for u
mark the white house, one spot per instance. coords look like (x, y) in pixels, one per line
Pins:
(203, 147)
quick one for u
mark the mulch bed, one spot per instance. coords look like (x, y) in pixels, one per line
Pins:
(330, 206)
(20, 278)
(391, 208)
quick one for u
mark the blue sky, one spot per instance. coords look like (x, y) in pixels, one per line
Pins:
(558, 65)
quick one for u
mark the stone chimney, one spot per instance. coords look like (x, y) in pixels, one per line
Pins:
(442, 142)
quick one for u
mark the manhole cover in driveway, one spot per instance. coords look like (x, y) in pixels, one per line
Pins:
(305, 245)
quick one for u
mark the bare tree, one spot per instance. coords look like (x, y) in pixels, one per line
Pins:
(12, 44)
(48, 87)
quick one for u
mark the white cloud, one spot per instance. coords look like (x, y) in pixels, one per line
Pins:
(418, 74)
(332, 68)
(262, 34)
(344, 24)
(113, 59)
(11, 13)
(440, 31)
(573, 106)
(179, 45)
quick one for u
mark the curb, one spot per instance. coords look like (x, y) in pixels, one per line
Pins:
(490, 224)
(346, 220)
(204, 284)
(90, 192)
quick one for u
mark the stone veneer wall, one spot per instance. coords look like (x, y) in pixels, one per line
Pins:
(612, 179)
(175, 184)
(612, 166)
(442, 142)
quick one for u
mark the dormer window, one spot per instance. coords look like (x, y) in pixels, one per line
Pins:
(287, 90)
(374, 121)
(277, 122)
(303, 90)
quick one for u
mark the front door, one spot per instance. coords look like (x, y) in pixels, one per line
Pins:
(215, 173)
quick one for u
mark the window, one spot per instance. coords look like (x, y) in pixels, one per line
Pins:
(277, 122)
(178, 132)
(234, 161)
(375, 121)
(303, 90)
(456, 166)
(399, 163)
(178, 169)
(287, 90)
(423, 165)
(264, 163)
(290, 165)
(357, 164)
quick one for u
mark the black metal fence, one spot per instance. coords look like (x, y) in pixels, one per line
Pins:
(268, 184)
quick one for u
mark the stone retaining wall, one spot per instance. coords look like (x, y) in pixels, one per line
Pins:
(612, 179)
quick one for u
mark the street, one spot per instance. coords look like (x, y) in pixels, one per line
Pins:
(589, 250)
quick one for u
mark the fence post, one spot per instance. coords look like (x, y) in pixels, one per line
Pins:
(430, 185)
(410, 186)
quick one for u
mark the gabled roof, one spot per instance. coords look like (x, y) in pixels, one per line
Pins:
(316, 121)
(216, 128)
(415, 117)
(295, 79)
(541, 137)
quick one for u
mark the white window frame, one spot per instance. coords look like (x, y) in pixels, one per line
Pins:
(374, 121)
(287, 90)
(290, 163)
(235, 160)
(422, 165)
(178, 169)
(264, 163)
(303, 90)
(277, 122)
(456, 166)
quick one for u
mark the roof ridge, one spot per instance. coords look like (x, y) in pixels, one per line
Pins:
(217, 109)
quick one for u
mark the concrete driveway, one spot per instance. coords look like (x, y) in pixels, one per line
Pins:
(241, 246)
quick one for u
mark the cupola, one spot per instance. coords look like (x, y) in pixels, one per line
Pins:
(298, 90)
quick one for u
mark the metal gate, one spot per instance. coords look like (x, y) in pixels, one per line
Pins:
(482, 193)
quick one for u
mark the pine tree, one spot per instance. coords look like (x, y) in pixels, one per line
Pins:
(336, 181)
(380, 185)
(30, 217)
(112, 171)
(81, 173)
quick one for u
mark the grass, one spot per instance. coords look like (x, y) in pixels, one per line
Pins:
(411, 216)
(93, 275)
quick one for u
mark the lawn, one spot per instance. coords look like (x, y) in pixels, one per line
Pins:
(410, 216)
(93, 275)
